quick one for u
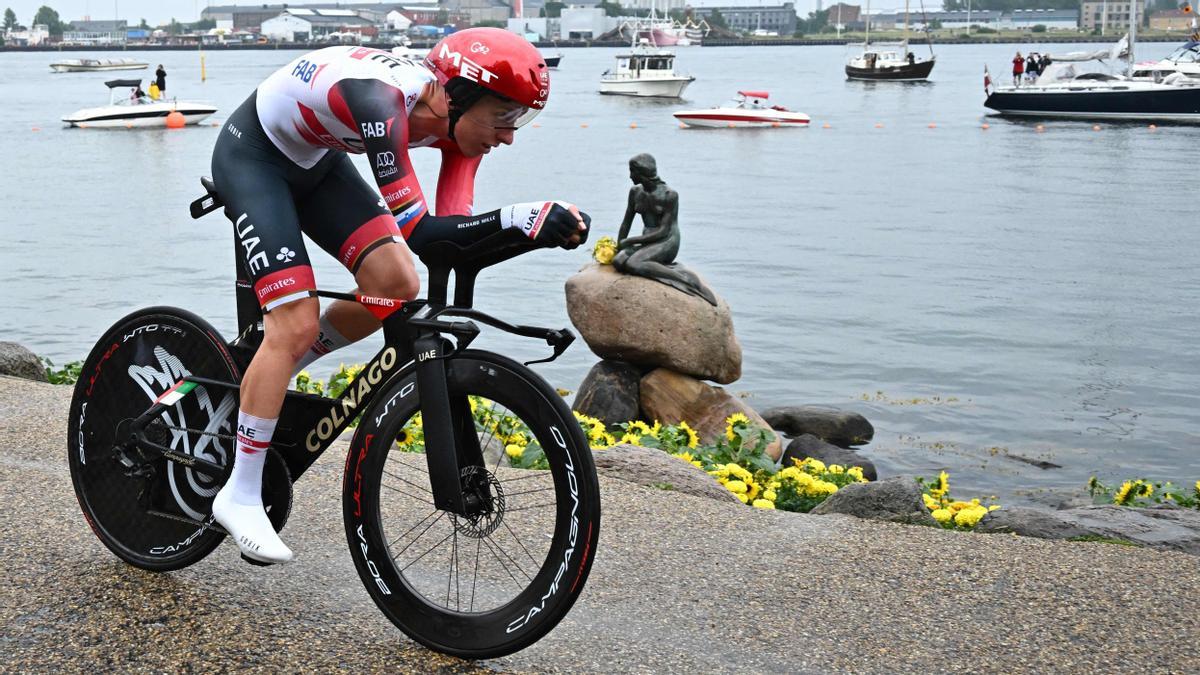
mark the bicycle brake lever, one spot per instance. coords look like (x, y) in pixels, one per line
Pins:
(560, 340)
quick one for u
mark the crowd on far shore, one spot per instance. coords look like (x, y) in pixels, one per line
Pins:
(1031, 66)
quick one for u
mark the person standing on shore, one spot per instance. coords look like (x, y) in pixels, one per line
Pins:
(1018, 69)
(160, 78)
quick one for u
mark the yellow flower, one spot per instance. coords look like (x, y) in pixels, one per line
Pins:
(1197, 489)
(942, 515)
(693, 439)
(769, 494)
(404, 437)
(856, 473)
(836, 469)
(687, 457)
(1147, 490)
(513, 450)
(741, 497)
(955, 507)
(814, 466)
(969, 517)
(641, 428)
(943, 482)
(763, 504)
(655, 429)
(631, 439)
(931, 503)
(736, 486)
(732, 420)
(993, 507)
(602, 440)
(605, 250)
(1125, 493)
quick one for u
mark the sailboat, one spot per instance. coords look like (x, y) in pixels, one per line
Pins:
(1063, 91)
(890, 60)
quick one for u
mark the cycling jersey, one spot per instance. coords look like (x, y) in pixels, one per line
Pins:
(280, 166)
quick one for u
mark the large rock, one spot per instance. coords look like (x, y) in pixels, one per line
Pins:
(897, 500)
(610, 392)
(654, 468)
(640, 321)
(811, 446)
(18, 361)
(669, 397)
(1160, 526)
(829, 424)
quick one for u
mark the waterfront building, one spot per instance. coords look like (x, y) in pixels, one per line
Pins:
(110, 32)
(841, 14)
(1172, 19)
(1052, 19)
(1108, 16)
(298, 24)
(251, 17)
(959, 20)
(778, 19)
(28, 37)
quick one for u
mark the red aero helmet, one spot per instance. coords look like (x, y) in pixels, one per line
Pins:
(502, 62)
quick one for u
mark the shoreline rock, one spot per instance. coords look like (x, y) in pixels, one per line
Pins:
(17, 361)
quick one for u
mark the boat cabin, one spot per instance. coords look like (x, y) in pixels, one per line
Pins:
(648, 64)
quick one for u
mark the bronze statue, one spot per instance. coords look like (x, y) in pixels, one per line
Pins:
(652, 255)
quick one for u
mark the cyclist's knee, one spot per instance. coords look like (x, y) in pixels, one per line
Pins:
(293, 327)
(388, 272)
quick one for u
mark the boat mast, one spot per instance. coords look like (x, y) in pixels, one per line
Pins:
(1132, 35)
(867, 39)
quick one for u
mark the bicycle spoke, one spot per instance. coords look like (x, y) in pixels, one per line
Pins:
(475, 578)
(529, 492)
(492, 549)
(421, 469)
(453, 559)
(418, 558)
(431, 524)
(416, 485)
(396, 489)
(536, 473)
(514, 536)
(393, 542)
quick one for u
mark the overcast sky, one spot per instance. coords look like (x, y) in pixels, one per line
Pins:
(162, 11)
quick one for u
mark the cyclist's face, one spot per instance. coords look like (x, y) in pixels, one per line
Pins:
(486, 125)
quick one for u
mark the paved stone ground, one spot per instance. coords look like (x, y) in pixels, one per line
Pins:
(680, 584)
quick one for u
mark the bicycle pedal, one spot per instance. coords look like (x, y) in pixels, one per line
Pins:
(256, 563)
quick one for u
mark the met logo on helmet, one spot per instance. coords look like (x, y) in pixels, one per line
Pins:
(467, 68)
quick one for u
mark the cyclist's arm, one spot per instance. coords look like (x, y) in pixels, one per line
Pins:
(378, 113)
(456, 181)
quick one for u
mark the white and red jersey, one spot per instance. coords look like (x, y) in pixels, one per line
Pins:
(358, 100)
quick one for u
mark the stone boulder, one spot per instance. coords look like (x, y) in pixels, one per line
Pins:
(831, 425)
(811, 446)
(629, 318)
(670, 398)
(654, 468)
(18, 361)
(897, 500)
(1160, 526)
(610, 392)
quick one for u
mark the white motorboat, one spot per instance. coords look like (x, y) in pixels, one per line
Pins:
(1185, 59)
(749, 109)
(647, 72)
(132, 110)
(88, 65)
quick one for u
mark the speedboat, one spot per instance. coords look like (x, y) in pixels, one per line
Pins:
(136, 110)
(88, 65)
(647, 72)
(749, 109)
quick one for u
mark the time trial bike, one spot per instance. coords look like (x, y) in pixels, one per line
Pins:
(464, 553)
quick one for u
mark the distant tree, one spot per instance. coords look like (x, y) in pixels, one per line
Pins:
(489, 23)
(174, 28)
(203, 24)
(48, 16)
(10, 19)
(815, 23)
(1038, 28)
(716, 19)
(553, 10)
(443, 17)
(935, 24)
(143, 24)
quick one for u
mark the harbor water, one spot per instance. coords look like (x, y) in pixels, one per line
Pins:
(977, 293)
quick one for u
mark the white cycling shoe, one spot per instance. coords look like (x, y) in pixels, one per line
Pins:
(250, 529)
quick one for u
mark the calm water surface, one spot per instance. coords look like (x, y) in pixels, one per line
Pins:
(970, 291)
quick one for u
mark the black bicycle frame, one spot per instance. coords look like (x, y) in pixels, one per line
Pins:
(415, 344)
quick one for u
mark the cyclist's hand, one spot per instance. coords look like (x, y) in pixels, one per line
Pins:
(565, 225)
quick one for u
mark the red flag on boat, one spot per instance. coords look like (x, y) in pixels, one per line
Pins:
(987, 82)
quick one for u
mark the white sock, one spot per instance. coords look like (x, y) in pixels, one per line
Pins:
(328, 340)
(253, 439)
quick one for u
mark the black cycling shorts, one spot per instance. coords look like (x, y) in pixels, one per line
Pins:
(271, 200)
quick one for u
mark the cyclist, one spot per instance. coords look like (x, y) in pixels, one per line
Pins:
(281, 167)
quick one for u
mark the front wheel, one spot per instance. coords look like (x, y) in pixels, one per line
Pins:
(495, 583)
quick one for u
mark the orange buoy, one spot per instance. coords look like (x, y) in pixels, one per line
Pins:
(932, 125)
(175, 120)
(1095, 127)
(826, 126)
(1040, 128)
(986, 126)
(129, 125)
(879, 125)
(633, 125)
(537, 126)
(36, 129)
(1153, 127)
(582, 126)
(682, 125)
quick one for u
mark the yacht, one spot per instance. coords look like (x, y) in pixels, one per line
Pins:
(890, 61)
(89, 65)
(645, 71)
(1185, 59)
(134, 110)
(749, 109)
(1064, 90)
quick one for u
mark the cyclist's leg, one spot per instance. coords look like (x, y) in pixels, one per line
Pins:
(255, 182)
(345, 217)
